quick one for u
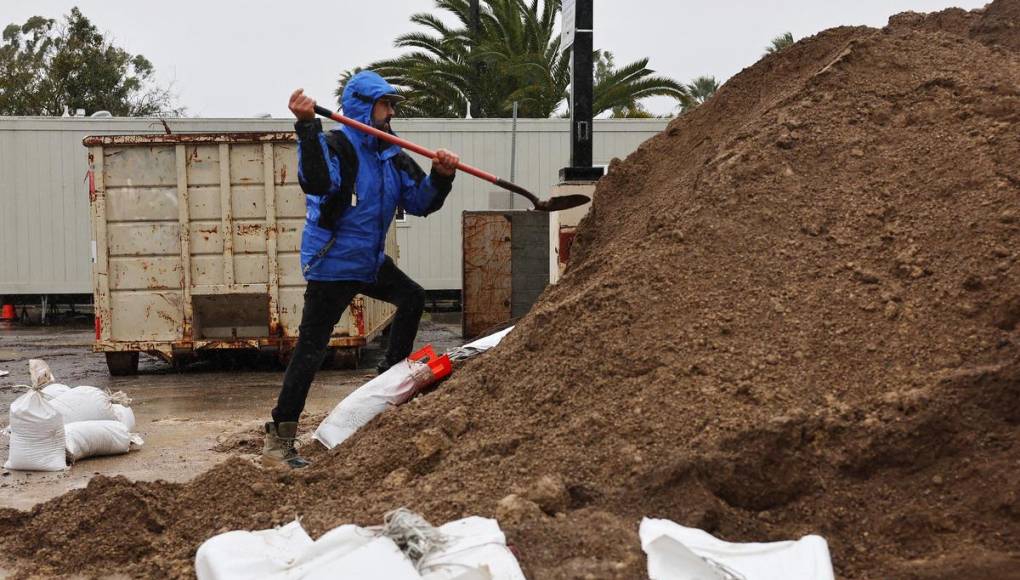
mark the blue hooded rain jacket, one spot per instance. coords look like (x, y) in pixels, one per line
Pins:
(352, 248)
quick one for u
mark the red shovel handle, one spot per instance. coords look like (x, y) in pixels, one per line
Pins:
(404, 143)
(426, 152)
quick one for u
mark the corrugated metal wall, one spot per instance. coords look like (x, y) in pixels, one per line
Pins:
(44, 213)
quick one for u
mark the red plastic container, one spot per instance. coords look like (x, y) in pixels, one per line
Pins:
(441, 366)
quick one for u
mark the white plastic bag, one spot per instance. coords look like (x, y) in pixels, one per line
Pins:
(125, 415)
(94, 438)
(394, 387)
(85, 404)
(676, 552)
(37, 434)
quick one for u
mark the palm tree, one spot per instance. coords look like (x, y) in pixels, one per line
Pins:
(780, 42)
(515, 57)
(699, 91)
(620, 90)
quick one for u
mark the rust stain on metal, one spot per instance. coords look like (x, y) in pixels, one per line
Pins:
(167, 317)
(283, 173)
(91, 176)
(207, 232)
(235, 137)
(171, 350)
(275, 328)
(248, 229)
(358, 313)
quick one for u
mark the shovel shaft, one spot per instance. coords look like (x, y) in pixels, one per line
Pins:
(405, 144)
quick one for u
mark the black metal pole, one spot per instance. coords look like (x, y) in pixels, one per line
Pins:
(476, 28)
(582, 72)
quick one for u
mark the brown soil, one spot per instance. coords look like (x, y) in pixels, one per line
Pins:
(794, 311)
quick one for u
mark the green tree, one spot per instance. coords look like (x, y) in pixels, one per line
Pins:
(24, 51)
(515, 56)
(45, 69)
(780, 42)
(699, 91)
(620, 90)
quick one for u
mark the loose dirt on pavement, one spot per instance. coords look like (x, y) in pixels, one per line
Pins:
(794, 311)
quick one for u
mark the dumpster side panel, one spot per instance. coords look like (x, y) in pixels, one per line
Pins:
(198, 245)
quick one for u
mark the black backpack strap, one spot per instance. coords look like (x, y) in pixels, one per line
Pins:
(334, 205)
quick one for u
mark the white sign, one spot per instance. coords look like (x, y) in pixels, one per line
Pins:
(569, 25)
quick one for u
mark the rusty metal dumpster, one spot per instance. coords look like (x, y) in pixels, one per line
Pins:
(196, 241)
(507, 264)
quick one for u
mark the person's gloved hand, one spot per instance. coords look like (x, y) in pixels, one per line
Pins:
(445, 163)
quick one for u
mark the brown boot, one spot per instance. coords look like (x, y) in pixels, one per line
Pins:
(279, 446)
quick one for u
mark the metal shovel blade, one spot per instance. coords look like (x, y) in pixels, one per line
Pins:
(562, 202)
(558, 203)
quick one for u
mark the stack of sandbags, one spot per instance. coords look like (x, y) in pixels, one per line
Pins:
(406, 547)
(53, 419)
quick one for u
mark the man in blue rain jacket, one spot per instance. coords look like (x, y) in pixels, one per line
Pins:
(354, 184)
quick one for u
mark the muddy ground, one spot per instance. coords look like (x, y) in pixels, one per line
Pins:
(190, 420)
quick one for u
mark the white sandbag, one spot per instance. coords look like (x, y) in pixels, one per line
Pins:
(125, 415)
(393, 387)
(85, 404)
(54, 390)
(676, 552)
(474, 549)
(95, 438)
(378, 559)
(473, 544)
(478, 346)
(242, 554)
(36, 434)
(345, 553)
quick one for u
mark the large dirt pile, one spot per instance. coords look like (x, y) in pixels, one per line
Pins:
(795, 311)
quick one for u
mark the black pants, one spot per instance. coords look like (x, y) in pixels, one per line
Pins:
(324, 304)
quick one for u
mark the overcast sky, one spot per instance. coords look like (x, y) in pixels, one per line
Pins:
(233, 58)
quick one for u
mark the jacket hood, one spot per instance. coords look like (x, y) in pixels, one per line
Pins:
(360, 95)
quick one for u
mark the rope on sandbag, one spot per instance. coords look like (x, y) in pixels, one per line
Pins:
(413, 534)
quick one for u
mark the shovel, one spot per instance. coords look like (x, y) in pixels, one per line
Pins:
(554, 204)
